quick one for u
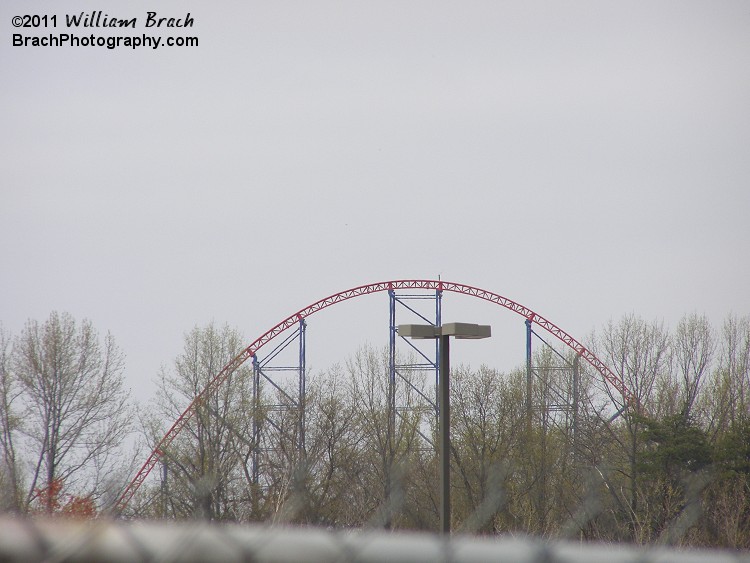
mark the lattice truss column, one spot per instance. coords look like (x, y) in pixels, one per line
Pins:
(413, 369)
(279, 393)
(553, 389)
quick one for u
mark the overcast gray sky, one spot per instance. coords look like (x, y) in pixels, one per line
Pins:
(587, 159)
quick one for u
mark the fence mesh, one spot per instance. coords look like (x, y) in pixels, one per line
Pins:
(109, 539)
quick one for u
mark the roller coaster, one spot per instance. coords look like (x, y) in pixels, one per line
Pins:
(396, 290)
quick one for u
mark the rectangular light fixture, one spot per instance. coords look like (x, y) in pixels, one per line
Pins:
(456, 330)
(466, 330)
(419, 331)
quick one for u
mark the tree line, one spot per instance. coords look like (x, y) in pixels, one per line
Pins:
(669, 463)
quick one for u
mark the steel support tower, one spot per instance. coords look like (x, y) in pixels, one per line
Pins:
(290, 395)
(559, 381)
(425, 308)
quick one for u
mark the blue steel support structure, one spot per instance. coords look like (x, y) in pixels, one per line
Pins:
(263, 370)
(399, 372)
(408, 303)
(302, 387)
(256, 420)
(529, 378)
(557, 394)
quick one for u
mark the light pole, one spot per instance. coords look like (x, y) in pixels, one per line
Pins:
(443, 334)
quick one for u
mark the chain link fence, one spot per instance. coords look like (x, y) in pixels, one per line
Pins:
(31, 540)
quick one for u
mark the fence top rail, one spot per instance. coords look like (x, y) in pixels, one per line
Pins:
(33, 540)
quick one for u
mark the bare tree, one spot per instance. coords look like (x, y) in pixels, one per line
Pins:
(9, 425)
(693, 345)
(487, 423)
(74, 407)
(735, 366)
(638, 352)
(333, 437)
(205, 470)
(383, 453)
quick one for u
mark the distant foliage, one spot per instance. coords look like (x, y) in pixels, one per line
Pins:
(673, 467)
(553, 452)
(51, 501)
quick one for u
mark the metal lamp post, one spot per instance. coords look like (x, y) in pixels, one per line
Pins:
(443, 334)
